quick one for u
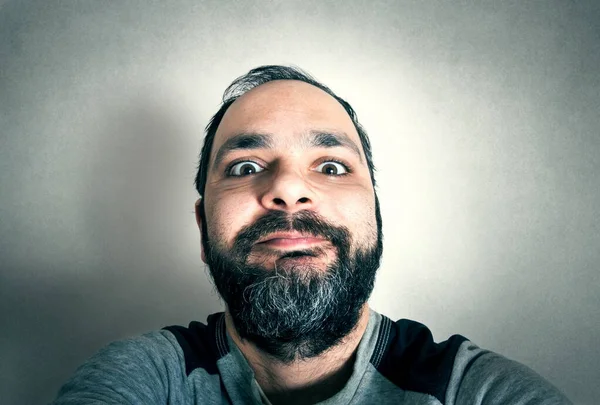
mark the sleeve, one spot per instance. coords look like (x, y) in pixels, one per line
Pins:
(144, 370)
(481, 377)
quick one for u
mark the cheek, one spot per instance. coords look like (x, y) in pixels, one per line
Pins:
(226, 215)
(356, 211)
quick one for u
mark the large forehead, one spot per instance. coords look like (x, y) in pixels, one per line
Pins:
(287, 109)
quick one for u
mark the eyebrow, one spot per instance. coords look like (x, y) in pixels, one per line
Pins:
(315, 139)
(320, 139)
(243, 141)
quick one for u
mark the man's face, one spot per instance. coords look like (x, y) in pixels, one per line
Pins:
(289, 194)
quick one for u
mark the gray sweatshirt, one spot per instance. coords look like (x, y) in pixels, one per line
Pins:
(396, 363)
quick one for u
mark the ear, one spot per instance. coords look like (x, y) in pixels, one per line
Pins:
(199, 219)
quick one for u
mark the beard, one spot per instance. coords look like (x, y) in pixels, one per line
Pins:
(294, 310)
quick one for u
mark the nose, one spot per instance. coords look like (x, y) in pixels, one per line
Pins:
(288, 191)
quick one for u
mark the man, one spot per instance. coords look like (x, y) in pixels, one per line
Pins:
(291, 232)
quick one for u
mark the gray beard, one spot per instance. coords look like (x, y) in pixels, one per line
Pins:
(294, 311)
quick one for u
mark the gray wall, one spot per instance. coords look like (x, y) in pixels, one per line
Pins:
(485, 125)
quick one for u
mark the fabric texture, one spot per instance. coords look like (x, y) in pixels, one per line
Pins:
(396, 363)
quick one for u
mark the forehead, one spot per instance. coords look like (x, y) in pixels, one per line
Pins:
(287, 110)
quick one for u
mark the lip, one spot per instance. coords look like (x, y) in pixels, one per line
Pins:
(289, 240)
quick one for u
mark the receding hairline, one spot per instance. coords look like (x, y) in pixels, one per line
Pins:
(235, 102)
(286, 83)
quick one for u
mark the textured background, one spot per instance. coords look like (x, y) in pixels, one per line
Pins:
(485, 125)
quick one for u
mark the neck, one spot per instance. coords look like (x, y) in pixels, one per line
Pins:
(303, 381)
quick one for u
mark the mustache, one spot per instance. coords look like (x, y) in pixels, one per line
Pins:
(279, 221)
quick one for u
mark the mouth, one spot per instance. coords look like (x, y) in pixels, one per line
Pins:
(290, 241)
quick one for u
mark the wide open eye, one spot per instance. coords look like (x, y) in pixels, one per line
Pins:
(332, 168)
(245, 168)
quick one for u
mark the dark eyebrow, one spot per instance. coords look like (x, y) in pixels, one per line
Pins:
(333, 139)
(241, 142)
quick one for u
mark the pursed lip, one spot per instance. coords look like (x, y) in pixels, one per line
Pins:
(290, 239)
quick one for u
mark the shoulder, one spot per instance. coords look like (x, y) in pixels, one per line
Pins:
(127, 371)
(484, 377)
(157, 348)
(150, 368)
(407, 355)
(455, 371)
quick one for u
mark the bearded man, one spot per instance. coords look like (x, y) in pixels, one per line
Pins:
(291, 232)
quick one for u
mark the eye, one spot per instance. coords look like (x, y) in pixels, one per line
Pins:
(332, 168)
(245, 168)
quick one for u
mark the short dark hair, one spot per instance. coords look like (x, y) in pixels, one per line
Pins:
(255, 78)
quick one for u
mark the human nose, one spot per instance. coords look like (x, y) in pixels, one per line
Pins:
(288, 191)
